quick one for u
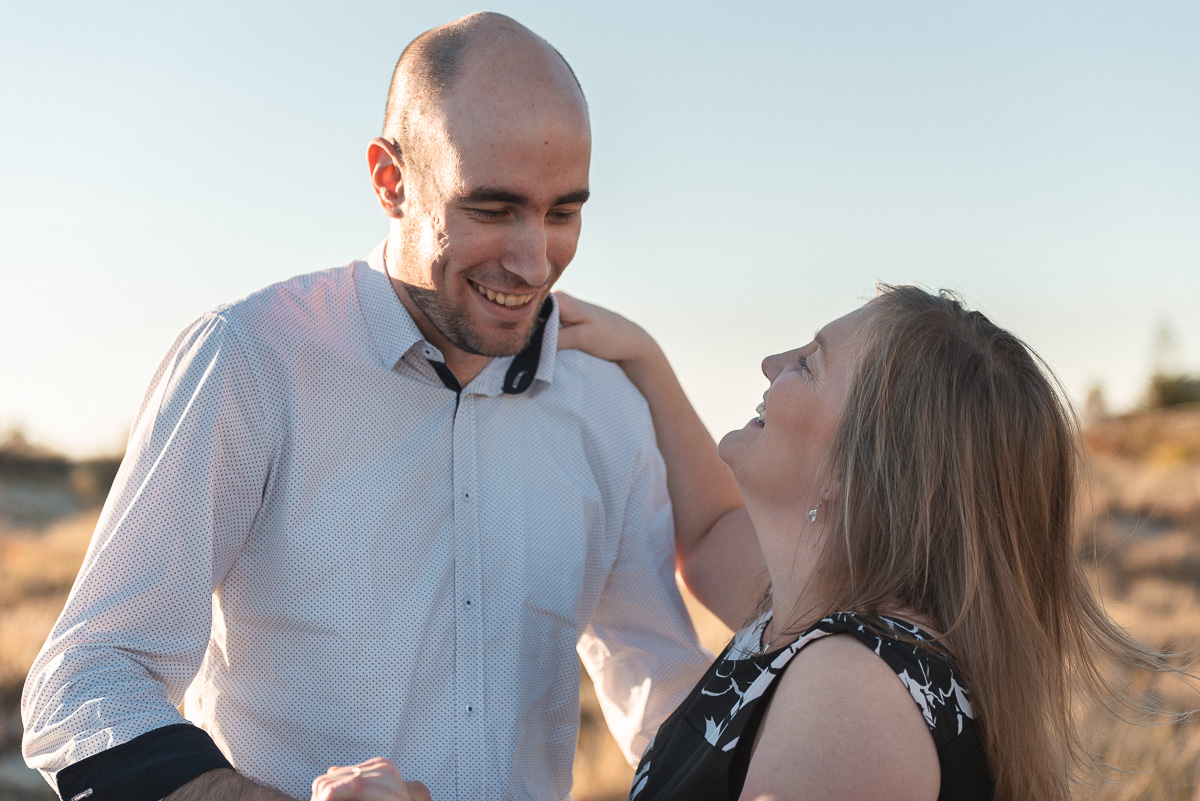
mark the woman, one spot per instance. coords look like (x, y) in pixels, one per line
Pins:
(915, 467)
(896, 525)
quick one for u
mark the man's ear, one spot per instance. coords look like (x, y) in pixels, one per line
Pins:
(387, 175)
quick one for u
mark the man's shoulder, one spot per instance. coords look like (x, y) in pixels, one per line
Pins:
(291, 297)
(600, 391)
(318, 303)
(597, 376)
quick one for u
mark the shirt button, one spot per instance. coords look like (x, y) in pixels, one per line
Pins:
(470, 709)
(468, 602)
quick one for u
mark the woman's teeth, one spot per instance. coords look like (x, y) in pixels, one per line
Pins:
(510, 301)
(762, 407)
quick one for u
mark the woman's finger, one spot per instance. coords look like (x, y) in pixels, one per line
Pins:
(374, 780)
(418, 791)
(570, 310)
(573, 337)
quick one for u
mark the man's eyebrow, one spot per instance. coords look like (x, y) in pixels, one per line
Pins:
(495, 194)
(578, 196)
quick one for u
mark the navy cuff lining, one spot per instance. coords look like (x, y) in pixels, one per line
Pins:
(146, 768)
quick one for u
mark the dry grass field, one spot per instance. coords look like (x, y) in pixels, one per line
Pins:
(37, 567)
(1139, 534)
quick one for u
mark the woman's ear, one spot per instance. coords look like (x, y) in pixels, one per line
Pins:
(387, 175)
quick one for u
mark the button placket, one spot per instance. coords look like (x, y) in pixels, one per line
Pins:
(469, 668)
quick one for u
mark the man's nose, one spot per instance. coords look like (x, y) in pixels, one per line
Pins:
(527, 256)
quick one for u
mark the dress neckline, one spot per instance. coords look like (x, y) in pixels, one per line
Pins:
(746, 642)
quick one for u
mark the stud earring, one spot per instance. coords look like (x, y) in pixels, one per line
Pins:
(812, 513)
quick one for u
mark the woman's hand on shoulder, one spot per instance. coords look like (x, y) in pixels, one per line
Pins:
(600, 332)
(840, 727)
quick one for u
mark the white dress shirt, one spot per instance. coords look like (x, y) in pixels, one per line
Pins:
(338, 557)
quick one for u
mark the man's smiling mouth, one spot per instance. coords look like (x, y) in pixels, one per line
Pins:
(502, 299)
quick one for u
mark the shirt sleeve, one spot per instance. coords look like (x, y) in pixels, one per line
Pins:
(99, 706)
(641, 648)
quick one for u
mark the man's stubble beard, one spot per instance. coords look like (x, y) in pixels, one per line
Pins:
(455, 325)
(451, 320)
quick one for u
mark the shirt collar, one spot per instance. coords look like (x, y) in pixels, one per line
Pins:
(391, 326)
(394, 334)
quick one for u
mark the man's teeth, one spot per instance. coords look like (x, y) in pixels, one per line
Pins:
(504, 300)
(762, 407)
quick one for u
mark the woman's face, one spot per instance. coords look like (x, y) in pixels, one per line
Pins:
(777, 455)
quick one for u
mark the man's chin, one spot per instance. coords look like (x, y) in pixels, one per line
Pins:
(491, 338)
(496, 341)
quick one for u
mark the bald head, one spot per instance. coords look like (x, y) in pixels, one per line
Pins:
(483, 171)
(478, 60)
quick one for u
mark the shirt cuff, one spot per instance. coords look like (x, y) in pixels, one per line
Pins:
(146, 768)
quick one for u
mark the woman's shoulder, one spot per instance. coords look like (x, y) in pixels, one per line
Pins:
(918, 659)
(841, 725)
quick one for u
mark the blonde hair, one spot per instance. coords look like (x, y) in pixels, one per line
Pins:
(956, 461)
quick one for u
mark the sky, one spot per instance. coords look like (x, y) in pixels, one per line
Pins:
(756, 169)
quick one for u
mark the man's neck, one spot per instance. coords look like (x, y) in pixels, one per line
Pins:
(464, 365)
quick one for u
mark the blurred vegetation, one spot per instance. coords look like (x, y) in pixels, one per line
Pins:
(20, 458)
(1173, 390)
(39, 486)
(1169, 385)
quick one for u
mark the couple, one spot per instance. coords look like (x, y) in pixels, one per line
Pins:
(375, 511)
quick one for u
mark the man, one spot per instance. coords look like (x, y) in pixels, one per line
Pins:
(371, 511)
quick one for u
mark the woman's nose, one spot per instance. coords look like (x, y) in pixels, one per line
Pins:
(772, 366)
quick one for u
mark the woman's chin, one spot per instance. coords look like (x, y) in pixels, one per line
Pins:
(732, 446)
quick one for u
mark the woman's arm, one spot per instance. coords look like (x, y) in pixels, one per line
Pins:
(718, 555)
(842, 727)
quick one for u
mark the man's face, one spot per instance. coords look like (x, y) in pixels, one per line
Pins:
(492, 221)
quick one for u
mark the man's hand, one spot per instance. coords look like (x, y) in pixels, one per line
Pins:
(374, 780)
(225, 785)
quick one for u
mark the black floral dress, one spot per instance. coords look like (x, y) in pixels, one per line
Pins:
(702, 751)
